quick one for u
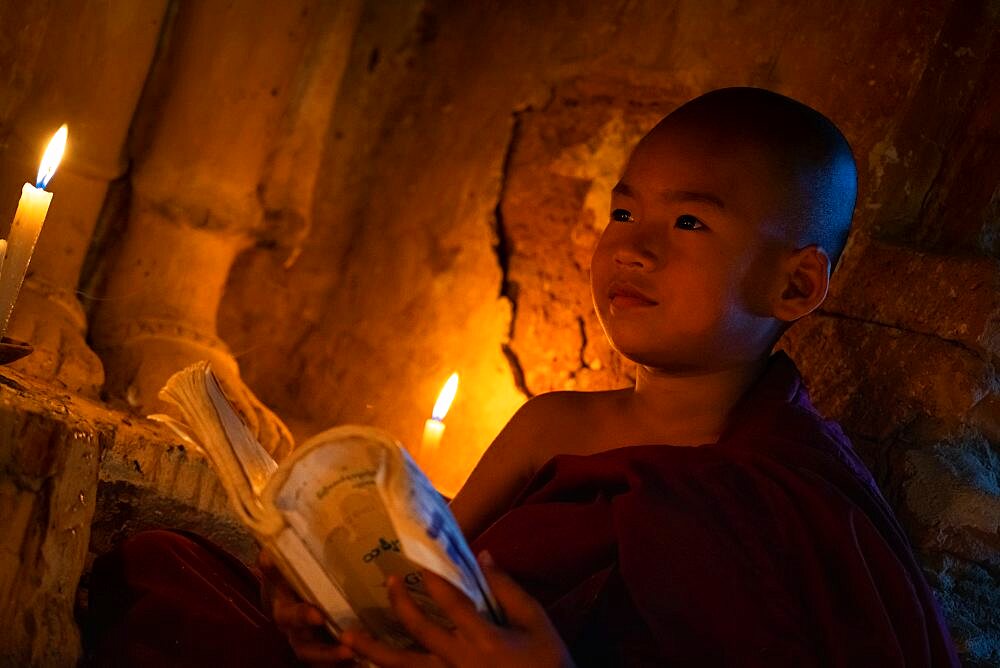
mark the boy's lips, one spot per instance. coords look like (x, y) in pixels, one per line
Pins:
(626, 295)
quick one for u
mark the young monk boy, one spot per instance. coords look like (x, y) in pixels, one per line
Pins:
(707, 516)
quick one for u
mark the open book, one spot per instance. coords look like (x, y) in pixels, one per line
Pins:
(345, 510)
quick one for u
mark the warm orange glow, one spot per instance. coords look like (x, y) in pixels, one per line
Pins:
(445, 398)
(53, 154)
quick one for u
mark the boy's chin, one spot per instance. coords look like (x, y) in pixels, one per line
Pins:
(674, 361)
(682, 362)
(683, 353)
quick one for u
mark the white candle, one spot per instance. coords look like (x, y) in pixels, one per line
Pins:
(434, 428)
(433, 431)
(28, 219)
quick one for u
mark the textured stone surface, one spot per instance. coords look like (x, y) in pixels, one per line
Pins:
(954, 298)
(76, 478)
(148, 480)
(935, 161)
(399, 283)
(223, 112)
(969, 595)
(876, 379)
(952, 494)
(48, 482)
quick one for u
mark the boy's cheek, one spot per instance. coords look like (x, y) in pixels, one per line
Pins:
(598, 287)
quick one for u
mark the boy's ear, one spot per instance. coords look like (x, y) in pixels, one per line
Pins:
(804, 283)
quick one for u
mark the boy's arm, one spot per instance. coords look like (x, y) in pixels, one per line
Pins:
(505, 468)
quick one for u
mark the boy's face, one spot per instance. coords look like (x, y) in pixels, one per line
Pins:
(682, 275)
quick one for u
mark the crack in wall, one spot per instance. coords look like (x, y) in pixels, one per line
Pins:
(516, 369)
(503, 250)
(583, 342)
(981, 355)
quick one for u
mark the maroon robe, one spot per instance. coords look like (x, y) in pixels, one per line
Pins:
(770, 547)
(163, 598)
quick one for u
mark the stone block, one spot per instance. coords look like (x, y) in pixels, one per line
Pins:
(951, 493)
(934, 180)
(969, 595)
(876, 379)
(48, 482)
(955, 298)
(149, 481)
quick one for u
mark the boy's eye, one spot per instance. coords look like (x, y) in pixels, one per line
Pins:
(688, 222)
(622, 215)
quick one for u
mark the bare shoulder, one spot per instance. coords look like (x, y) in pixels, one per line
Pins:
(546, 425)
(565, 422)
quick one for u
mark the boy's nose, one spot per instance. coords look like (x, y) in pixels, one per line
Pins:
(629, 257)
(635, 253)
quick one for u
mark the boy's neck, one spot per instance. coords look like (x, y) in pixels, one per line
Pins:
(689, 409)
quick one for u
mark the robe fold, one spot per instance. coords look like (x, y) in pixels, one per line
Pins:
(164, 598)
(771, 547)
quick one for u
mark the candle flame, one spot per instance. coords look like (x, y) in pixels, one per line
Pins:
(53, 154)
(445, 398)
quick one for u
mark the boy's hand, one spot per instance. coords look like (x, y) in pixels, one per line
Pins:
(529, 640)
(301, 623)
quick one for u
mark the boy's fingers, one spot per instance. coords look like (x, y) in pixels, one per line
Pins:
(435, 638)
(383, 655)
(282, 593)
(275, 587)
(457, 606)
(519, 607)
(290, 615)
(321, 652)
(269, 568)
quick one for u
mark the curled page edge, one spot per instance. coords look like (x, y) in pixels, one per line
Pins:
(250, 511)
(257, 466)
(180, 429)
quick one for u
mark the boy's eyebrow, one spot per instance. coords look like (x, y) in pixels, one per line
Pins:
(692, 196)
(671, 196)
(622, 189)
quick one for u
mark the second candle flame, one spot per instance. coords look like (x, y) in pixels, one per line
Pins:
(445, 398)
(53, 154)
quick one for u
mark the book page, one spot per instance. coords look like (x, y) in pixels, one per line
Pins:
(308, 577)
(428, 531)
(242, 464)
(327, 493)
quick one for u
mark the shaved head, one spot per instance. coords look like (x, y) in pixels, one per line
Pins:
(810, 162)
